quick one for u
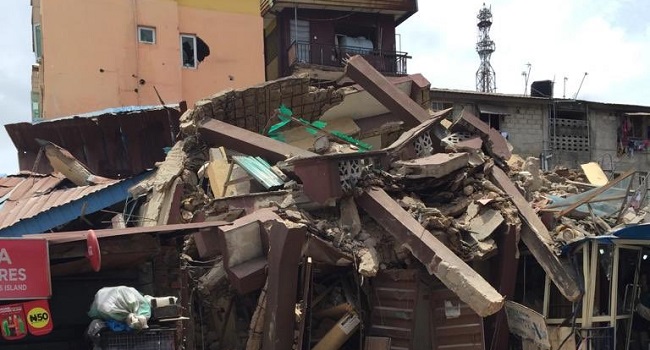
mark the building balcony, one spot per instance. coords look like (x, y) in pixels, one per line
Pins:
(400, 9)
(299, 55)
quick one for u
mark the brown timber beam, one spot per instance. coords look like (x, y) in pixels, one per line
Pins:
(439, 260)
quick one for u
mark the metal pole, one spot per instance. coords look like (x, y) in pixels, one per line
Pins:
(295, 23)
(580, 87)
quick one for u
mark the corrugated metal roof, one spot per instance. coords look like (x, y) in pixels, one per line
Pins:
(260, 170)
(14, 188)
(41, 211)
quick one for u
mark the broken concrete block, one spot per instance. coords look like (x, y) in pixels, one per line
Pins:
(537, 238)
(531, 165)
(435, 166)
(483, 225)
(436, 257)
(212, 278)
(368, 261)
(495, 143)
(350, 216)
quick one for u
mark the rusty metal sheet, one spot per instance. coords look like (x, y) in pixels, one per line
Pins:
(454, 324)
(216, 132)
(436, 257)
(103, 142)
(394, 297)
(399, 103)
(538, 239)
(40, 212)
(28, 186)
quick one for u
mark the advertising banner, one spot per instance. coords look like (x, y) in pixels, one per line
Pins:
(38, 316)
(12, 322)
(24, 269)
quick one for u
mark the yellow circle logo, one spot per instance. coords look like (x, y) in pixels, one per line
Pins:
(38, 317)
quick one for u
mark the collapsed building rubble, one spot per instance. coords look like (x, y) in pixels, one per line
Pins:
(412, 204)
(310, 218)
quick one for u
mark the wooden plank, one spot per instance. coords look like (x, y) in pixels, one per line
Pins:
(597, 192)
(594, 174)
(537, 239)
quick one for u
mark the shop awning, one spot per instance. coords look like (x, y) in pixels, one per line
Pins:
(492, 109)
(638, 235)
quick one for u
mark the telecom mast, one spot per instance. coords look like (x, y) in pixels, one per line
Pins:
(485, 76)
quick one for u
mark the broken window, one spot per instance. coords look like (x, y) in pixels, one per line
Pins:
(146, 35)
(193, 50)
(38, 42)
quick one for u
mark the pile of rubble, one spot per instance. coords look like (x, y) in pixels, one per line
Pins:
(325, 237)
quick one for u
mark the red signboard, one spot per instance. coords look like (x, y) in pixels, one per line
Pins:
(38, 316)
(24, 269)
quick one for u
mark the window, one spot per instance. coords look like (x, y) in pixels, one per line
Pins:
(193, 50)
(37, 44)
(188, 50)
(146, 35)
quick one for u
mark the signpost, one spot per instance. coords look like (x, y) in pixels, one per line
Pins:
(24, 269)
(528, 324)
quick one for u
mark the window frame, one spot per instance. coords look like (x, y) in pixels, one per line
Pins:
(37, 41)
(194, 43)
(153, 32)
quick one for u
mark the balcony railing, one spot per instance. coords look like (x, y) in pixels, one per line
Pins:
(386, 62)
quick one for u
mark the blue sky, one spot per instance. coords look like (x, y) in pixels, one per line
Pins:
(609, 39)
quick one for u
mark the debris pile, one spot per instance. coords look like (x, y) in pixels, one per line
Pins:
(324, 223)
(325, 229)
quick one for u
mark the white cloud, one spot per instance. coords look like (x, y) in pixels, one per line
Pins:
(559, 38)
(16, 59)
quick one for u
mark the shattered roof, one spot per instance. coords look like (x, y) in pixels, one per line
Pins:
(41, 208)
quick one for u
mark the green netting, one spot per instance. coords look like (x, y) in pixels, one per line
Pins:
(285, 115)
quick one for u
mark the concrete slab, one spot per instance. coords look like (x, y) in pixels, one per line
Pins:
(494, 141)
(399, 103)
(538, 240)
(436, 257)
(435, 166)
(482, 226)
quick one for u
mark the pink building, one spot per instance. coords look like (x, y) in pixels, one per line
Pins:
(92, 55)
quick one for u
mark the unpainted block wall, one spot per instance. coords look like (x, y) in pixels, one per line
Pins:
(526, 127)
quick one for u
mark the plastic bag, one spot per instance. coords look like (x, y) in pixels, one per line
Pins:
(121, 304)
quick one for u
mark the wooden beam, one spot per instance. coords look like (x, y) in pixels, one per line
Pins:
(597, 192)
